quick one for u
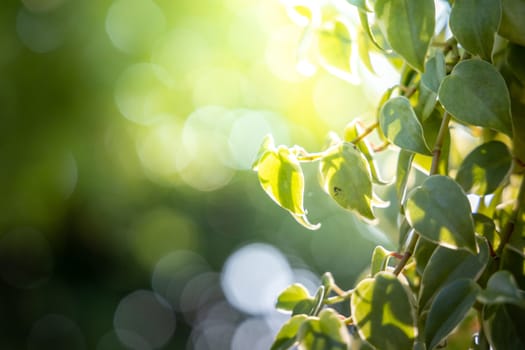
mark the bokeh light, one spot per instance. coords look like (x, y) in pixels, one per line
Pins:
(144, 316)
(254, 276)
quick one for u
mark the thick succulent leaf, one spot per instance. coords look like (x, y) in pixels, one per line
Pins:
(502, 288)
(503, 326)
(474, 24)
(399, 123)
(383, 313)
(435, 72)
(483, 170)
(292, 295)
(334, 43)
(326, 332)
(408, 26)
(281, 177)
(475, 93)
(440, 211)
(345, 176)
(351, 132)
(511, 26)
(287, 335)
(447, 265)
(450, 306)
(379, 260)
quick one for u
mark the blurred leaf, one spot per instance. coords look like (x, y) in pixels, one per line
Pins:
(287, 335)
(502, 288)
(364, 48)
(512, 261)
(484, 226)
(382, 311)
(474, 24)
(408, 26)
(335, 49)
(399, 123)
(511, 26)
(292, 295)
(503, 326)
(379, 259)
(404, 163)
(450, 306)
(361, 4)
(426, 102)
(515, 59)
(422, 253)
(483, 170)
(304, 307)
(435, 72)
(345, 176)
(475, 93)
(266, 145)
(326, 332)
(428, 210)
(447, 265)
(281, 177)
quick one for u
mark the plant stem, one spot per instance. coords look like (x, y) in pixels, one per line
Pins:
(436, 155)
(365, 133)
(509, 228)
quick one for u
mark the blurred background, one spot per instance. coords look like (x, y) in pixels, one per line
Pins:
(129, 216)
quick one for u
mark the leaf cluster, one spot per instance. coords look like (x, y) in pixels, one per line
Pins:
(462, 230)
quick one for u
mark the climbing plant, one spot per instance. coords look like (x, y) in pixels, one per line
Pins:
(458, 260)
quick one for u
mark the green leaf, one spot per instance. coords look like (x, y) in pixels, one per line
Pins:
(475, 93)
(408, 26)
(326, 332)
(503, 326)
(345, 176)
(379, 260)
(304, 307)
(335, 49)
(483, 170)
(450, 306)
(289, 298)
(351, 132)
(404, 163)
(281, 177)
(382, 312)
(361, 4)
(422, 253)
(484, 226)
(502, 288)
(426, 102)
(286, 337)
(515, 59)
(440, 211)
(267, 145)
(474, 24)
(511, 26)
(399, 123)
(446, 265)
(435, 72)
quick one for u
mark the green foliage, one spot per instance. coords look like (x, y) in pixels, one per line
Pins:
(456, 254)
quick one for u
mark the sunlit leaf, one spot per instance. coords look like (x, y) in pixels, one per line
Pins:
(430, 211)
(404, 163)
(502, 288)
(435, 72)
(474, 24)
(447, 265)
(267, 144)
(399, 123)
(450, 306)
(335, 45)
(345, 176)
(379, 260)
(288, 333)
(292, 295)
(475, 93)
(304, 307)
(484, 226)
(503, 326)
(483, 170)
(511, 26)
(408, 26)
(326, 332)
(361, 4)
(281, 177)
(382, 312)
(351, 132)
(363, 48)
